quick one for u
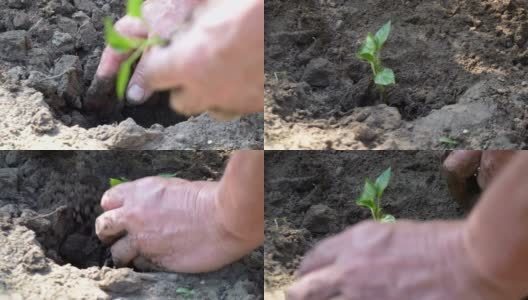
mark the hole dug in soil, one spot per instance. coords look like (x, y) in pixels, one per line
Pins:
(55, 47)
(67, 235)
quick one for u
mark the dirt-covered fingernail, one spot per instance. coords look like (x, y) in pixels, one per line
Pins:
(136, 94)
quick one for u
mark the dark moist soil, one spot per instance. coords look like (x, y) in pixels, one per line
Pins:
(310, 195)
(54, 46)
(438, 50)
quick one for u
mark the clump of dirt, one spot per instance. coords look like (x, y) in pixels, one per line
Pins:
(54, 47)
(310, 195)
(320, 95)
(48, 205)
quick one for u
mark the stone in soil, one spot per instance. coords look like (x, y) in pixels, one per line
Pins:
(13, 45)
(318, 72)
(320, 219)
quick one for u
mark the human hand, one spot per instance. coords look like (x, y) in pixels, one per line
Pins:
(173, 224)
(160, 18)
(462, 165)
(404, 260)
(216, 64)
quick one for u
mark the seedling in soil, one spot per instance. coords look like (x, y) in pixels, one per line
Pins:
(448, 141)
(185, 292)
(371, 197)
(117, 181)
(133, 46)
(370, 52)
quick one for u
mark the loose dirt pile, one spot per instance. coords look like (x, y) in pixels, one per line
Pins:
(311, 195)
(461, 68)
(49, 52)
(48, 205)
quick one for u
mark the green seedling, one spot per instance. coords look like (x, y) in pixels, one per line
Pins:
(117, 181)
(371, 197)
(133, 46)
(448, 141)
(185, 292)
(370, 52)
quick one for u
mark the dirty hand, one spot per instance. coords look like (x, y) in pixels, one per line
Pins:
(405, 260)
(462, 165)
(214, 65)
(162, 17)
(172, 224)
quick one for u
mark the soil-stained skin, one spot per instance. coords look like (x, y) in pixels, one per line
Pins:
(101, 96)
(311, 195)
(438, 49)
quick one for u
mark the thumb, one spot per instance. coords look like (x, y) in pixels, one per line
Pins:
(173, 66)
(112, 59)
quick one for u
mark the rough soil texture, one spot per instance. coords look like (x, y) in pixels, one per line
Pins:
(311, 195)
(49, 52)
(48, 205)
(461, 68)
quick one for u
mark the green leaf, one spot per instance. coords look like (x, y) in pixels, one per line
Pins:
(168, 175)
(119, 42)
(134, 8)
(388, 219)
(185, 292)
(449, 141)
(383, 181)
(382, 35)
(123, 76)
(369, 193)
(385, 77)
(117, 181)
(366, 203)
(368, 49)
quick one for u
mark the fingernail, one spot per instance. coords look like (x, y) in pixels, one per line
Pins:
(135, 94)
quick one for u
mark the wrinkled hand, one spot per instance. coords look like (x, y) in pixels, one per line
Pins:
(163, 17)
(217, 62)
(405, 260)
(462, 165)
(172, 224)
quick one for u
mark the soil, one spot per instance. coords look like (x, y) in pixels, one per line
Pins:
(49, 52)
(310, 195)
(48, 205)
(461, 70)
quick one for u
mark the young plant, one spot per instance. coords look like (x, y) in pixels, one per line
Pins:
(371, 197)
(448, 141)
(185, 292)
(117, 181)
(133, 46)
(370, 52)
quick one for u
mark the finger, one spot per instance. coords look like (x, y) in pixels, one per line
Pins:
(168, 68)
(459, 167)
(321, 256)
(492, 163)
(112, 59)
(165, 17)
(462, 163)
(137, 92)
(183, 102)
(124, 251)
(110, 225)
(116, 196)
(321, 285)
